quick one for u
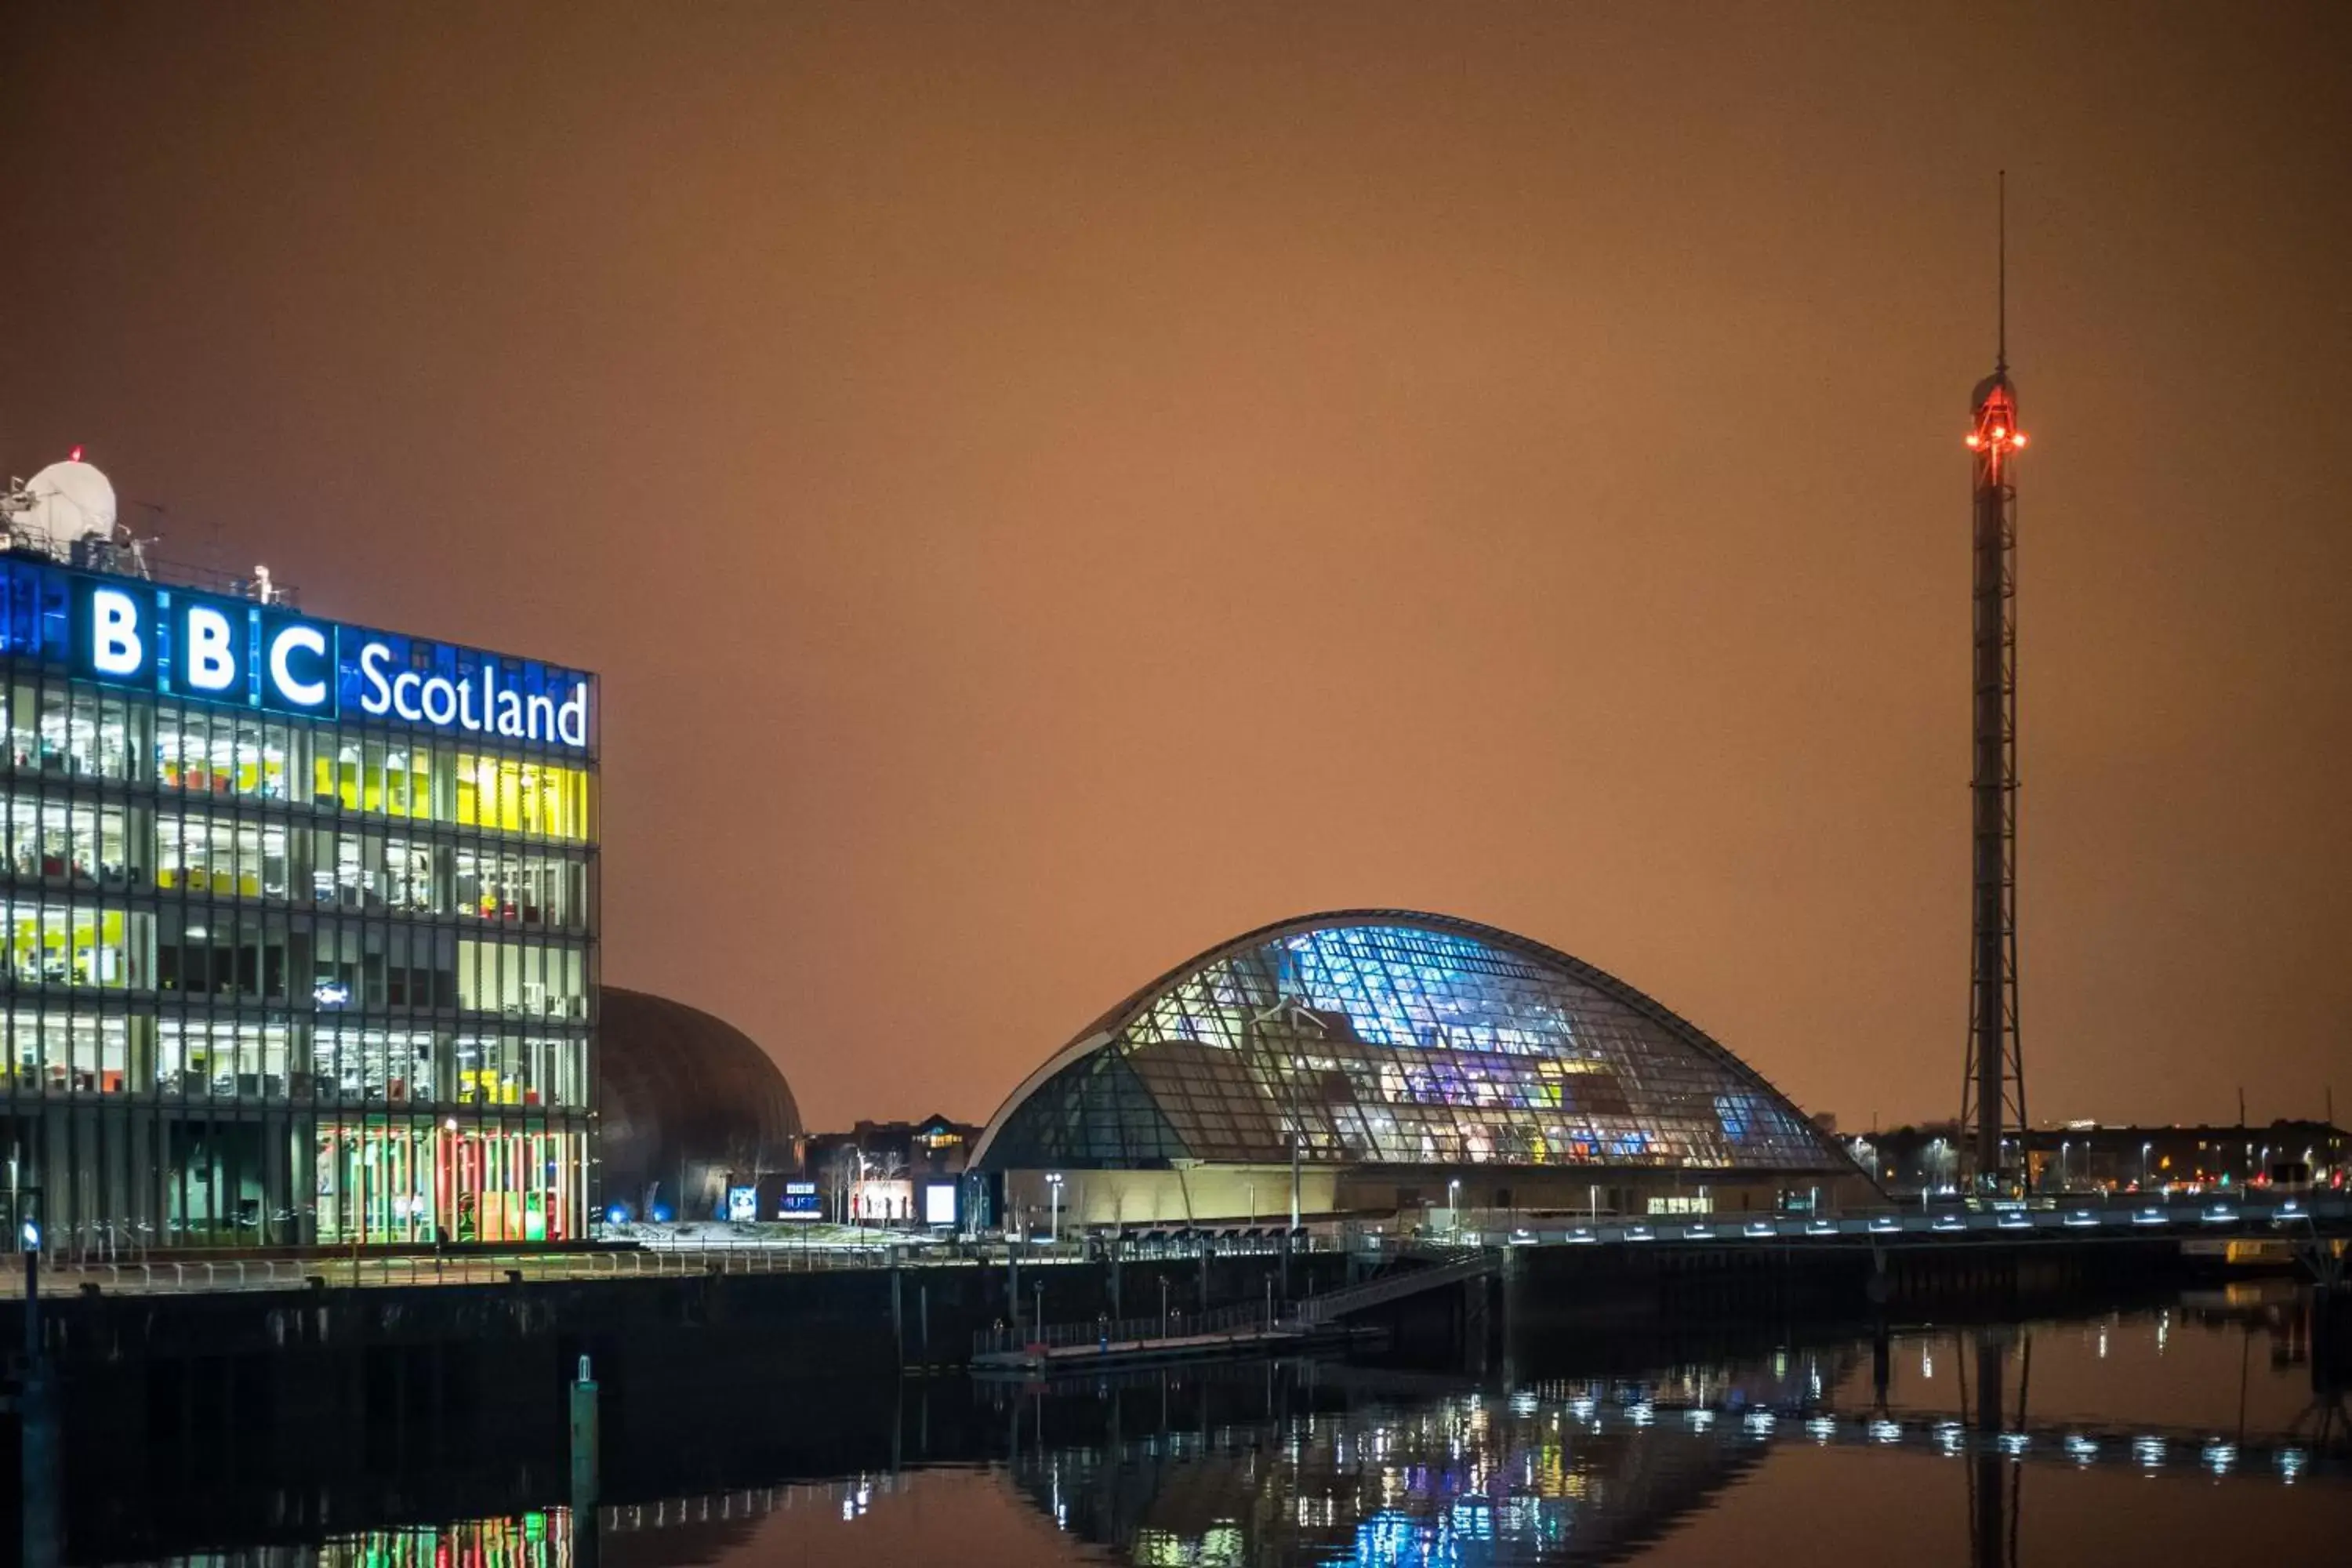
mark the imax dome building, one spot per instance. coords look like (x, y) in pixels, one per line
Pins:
(1400, 1062)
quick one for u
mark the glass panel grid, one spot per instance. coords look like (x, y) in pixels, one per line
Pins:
(1402, 1045)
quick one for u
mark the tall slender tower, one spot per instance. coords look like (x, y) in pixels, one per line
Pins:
(1992, 1090)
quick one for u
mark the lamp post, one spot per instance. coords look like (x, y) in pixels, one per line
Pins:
(1053, 1223)
(1295, 1145)
(2143, 1165)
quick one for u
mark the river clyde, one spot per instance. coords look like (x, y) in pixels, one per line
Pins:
(2200, 1428)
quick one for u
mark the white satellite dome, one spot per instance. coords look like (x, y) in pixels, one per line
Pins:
(63, 502)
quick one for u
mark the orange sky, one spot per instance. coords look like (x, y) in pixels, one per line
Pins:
(1048, 490)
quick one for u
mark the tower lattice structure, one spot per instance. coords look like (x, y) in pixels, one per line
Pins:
(1993, 1093)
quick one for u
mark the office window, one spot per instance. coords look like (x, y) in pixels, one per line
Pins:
(224, 1059)
(23, 725)
(175, 749)
(121, 738)
(59, 1052)
(409, 881)
(337, 767)
(56, 725)
(517, 796)
(84, 945)
(408, 780)
(278, 764)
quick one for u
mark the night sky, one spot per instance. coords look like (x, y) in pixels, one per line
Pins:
(1046, 490)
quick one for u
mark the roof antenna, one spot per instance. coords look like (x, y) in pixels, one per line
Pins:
(2000, 228)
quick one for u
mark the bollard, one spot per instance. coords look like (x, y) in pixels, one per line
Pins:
(583, 1443)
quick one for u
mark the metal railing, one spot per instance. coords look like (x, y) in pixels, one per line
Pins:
(168, 1274)
(1318, 1310)
(1128, 1333)
(2082, 1216)
(68, 1270)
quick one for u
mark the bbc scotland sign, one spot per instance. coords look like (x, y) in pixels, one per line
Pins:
(265, 656)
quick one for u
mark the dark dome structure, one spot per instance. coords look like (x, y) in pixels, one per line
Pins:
(1393, 1041)
(685, 1102)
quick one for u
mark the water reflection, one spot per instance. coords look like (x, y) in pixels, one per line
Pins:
(1399, 1476)
(2177, 1435)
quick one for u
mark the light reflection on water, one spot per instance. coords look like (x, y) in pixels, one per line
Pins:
(2188, 1434)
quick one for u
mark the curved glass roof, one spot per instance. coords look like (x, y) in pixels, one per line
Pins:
(1388, 1037)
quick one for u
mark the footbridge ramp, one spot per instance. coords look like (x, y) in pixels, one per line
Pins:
(1396, 1284)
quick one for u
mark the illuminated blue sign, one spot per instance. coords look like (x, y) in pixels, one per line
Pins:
(266, 655)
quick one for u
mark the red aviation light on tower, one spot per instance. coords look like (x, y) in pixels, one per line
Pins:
(1996, 436)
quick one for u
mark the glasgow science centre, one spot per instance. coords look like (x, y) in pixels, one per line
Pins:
(301, 923)
(1384, 1061)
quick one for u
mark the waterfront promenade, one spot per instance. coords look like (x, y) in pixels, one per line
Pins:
(2285, 1225)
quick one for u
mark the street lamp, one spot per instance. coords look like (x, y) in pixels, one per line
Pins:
(2143, 1165)
(1053, 1223)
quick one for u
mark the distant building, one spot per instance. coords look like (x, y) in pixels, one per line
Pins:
(2091, 1158)
(890, 1172)
(1383, 1062)
(691, 1111)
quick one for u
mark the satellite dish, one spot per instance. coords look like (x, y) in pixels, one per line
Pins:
(62, 503)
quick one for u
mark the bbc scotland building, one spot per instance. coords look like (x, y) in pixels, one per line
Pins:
(300, 924)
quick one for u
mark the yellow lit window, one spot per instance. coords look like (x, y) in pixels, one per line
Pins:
(523, 797)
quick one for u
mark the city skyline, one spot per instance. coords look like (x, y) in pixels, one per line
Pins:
(1044, 495)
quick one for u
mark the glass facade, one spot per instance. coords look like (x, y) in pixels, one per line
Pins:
(277, 979)
(1401, 1040)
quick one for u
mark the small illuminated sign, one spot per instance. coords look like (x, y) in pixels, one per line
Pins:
(940, 1202)
(330, 993)
(801, 1202)
(742, 1203)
